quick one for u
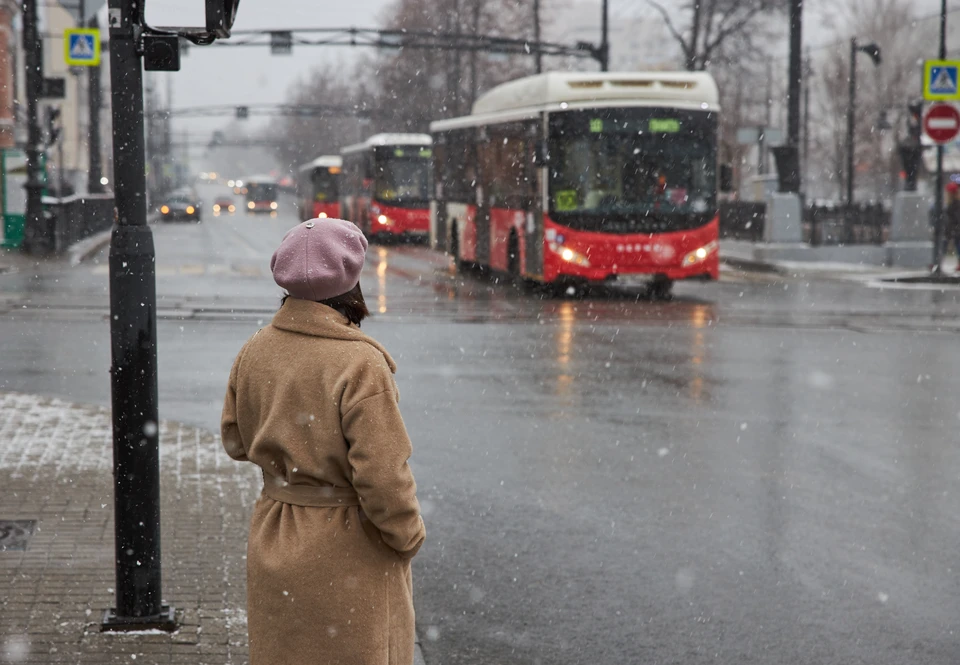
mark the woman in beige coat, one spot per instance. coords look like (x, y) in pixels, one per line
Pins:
(312, 402)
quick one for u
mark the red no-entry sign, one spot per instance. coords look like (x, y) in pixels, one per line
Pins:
(941, 123)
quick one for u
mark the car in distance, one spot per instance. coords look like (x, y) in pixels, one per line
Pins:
(180, 206)
(223, 205)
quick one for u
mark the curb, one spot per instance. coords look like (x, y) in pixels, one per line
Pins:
(418, 655)
(81, 251)
(750, 265)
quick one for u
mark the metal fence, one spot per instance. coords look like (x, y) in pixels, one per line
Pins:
(742, 220)
(861, 224)
(68, 220)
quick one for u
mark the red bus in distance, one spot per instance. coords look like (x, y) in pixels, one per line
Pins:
(318, 188)
(385, 185)
(583, 177)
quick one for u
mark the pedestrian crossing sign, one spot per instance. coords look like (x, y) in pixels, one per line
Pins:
(81, 46)
(941, 80)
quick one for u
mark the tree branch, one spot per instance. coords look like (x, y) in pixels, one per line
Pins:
(724, 32)
(673, 30)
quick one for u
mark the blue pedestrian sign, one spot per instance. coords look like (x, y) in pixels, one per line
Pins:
(81, 46)
(941, 80)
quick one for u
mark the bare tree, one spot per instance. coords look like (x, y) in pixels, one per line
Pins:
(414, 86)
(713, 26)
(299, 139)
(882, 94)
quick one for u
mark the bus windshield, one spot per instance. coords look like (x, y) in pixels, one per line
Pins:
(633, 169)
(402, 176)
(324, 185)
(261, 191)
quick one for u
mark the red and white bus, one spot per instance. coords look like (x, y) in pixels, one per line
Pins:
(318, 188)
(583, 177)
(385, 185)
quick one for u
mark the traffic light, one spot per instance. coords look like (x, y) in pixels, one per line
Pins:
(53, 124)
(915, 120)
(220, 16)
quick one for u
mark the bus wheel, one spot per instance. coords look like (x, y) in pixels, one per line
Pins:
(660, 288)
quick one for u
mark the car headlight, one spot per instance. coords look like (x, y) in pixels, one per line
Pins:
(216, 207)
(165, 210)
(231, 208)
(700, 254)
(273, 205)
(190, 210)
(570, 255)
(250, 205)
(230, 183)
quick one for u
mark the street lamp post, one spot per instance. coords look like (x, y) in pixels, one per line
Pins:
(874, 52)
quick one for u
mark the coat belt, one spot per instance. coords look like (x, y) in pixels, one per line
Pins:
(315, 496)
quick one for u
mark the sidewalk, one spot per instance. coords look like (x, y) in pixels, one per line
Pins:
(56, 474)
(792, 259)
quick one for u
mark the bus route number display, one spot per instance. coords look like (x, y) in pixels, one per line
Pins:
(664, 125)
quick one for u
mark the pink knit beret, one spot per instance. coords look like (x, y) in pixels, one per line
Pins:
(319, 259)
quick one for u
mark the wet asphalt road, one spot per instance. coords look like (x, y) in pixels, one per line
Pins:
(764, 470)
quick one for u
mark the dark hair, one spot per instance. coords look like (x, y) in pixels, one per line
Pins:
(351, 304)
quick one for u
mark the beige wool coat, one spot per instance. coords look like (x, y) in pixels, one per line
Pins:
(312, 402)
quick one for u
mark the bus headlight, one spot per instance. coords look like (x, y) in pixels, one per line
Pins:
(250, 204)
(383, 219)
(700, 254)
(322, 215)
(273, 205)
(570, 255)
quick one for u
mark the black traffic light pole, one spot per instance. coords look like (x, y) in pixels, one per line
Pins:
(938, 190)
(133, 332)
(33, 232)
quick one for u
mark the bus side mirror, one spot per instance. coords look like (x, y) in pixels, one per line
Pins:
(541, 153)
(726, 178)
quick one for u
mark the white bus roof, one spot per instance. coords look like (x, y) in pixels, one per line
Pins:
(388, 139)
(260, 178)
(323, 161)
(557, 91)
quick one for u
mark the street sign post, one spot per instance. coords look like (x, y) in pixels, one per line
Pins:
(941, 123)
(941, 80)
(81, 47)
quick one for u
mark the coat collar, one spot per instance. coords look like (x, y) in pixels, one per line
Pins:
(313, 318)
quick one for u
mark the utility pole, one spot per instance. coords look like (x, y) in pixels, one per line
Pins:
(938, 193)
(851, 122)
(536, 35)
(474, 87)
(95, 103)
(35, 232)
(167, 166)
(807, 73)
(605, 38)
(133, 334)
(795, 79)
